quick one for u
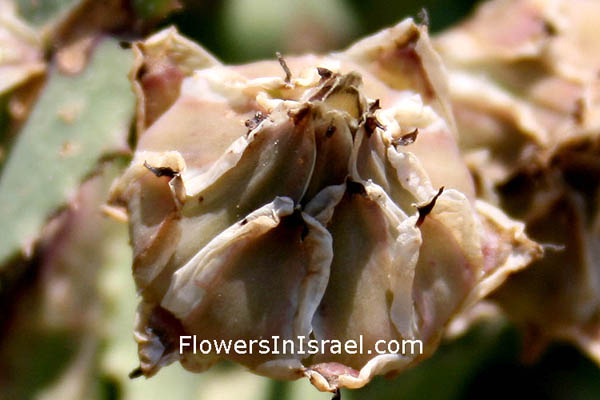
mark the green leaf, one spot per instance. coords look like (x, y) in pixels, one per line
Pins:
(76, 121)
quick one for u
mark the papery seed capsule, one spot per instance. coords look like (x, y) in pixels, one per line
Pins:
(291, 212)
(525, 88)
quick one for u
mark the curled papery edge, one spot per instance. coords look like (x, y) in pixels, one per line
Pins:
(177, 56)
(406, 36)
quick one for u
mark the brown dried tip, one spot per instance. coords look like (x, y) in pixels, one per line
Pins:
(286, 69)
(161, 171)
(337, 395)
(324, 73)
(371, 123)
(426, 209)
(407, 139)
(136, 373)
(374, 106)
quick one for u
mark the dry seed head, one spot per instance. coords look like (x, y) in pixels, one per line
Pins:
(288, 209)
(525, 89)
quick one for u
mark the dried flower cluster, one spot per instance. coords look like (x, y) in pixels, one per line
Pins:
(396, 190)
(325, 199)
(525, 87)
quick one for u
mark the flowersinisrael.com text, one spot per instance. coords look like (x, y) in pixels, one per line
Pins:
(300, 346)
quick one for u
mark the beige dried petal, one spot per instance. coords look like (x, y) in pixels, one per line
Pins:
(161, 63)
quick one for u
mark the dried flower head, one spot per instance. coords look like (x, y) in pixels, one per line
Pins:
(525, 88)
(523, 81)
(305, 201)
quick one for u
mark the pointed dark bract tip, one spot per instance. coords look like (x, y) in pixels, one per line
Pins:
(426, 209)
(324, 73)
(136, 373)
(161, 171)
(372, 123)
(374, 106)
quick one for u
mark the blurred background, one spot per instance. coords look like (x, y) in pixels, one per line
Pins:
(241, 30)
(66, 316)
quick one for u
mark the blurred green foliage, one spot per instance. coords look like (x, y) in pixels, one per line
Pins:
(485, 364)
(40, 12)
(238, 31)
(77, 119)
